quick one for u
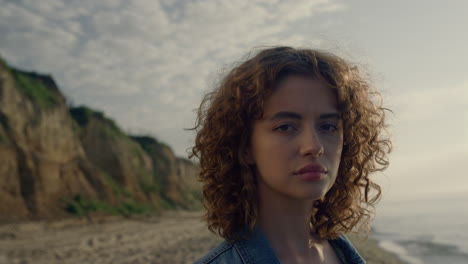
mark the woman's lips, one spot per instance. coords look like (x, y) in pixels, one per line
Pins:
(311, 175)
(311, 172)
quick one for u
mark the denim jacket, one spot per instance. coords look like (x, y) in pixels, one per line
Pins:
(258, 251)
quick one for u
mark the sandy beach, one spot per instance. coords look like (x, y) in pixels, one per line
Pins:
(173, 237)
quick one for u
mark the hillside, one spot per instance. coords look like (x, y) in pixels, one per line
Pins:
(58, 161)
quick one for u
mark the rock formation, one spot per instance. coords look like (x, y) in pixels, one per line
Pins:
(50, 154)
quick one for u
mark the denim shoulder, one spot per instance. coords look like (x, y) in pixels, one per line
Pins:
(224, 253)
(345, 250)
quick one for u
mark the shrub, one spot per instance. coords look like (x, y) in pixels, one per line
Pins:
(35, 89)
(82, 206)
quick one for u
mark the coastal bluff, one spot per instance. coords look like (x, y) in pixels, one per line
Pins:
(57, 161)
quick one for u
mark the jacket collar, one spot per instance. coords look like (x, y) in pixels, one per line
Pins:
(256, 250)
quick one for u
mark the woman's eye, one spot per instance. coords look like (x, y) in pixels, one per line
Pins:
(285, 128)
(329, 127)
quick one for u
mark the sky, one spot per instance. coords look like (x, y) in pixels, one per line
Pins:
(147, 64)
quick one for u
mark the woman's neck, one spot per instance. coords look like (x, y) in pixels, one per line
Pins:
(286, 225)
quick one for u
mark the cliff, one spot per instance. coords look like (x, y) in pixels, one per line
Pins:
(170, 174)
(55, 160)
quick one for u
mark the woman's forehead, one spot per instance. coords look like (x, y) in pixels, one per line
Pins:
(299, 94)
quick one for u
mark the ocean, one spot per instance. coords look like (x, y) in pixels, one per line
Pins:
(425, 231)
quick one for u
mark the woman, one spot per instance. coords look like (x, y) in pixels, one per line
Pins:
(286, 145)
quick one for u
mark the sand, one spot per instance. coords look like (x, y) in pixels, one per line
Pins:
(173, 237)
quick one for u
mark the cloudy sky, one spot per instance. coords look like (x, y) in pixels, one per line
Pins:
(147, 63)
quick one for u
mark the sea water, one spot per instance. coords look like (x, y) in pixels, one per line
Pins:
(429, 230)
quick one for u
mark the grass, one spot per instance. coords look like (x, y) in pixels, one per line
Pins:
(167, 204)
(147, 183)
(35, 89)
(117, 189)
(151, 146)
(79, 205)
(110, 130)
(107, 127)
(82, 115)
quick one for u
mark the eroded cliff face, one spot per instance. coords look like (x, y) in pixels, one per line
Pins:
(42, 159)
(47, 157)
(176, 176)
(185, 187)
(124, 162)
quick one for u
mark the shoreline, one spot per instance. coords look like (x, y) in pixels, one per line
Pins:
(413, 250)
(172, 237)
(373, 251)
(403, 254)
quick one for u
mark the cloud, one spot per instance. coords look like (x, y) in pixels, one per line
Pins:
(417, 175)
(144, 62)
(418, 104)
(431, 141)
(430, 119)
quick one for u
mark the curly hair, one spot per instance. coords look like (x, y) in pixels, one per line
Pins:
(224, 127)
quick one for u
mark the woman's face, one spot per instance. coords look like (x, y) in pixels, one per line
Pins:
(296, 147)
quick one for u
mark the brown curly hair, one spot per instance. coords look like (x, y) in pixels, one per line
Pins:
(224, 127)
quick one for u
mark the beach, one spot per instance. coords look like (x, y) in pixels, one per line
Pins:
(172, 237)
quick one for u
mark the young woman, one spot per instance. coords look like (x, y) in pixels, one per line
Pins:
(286, 145)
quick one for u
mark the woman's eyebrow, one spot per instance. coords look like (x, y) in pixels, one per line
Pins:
(293, 115)
(285, 115)
(334, 115)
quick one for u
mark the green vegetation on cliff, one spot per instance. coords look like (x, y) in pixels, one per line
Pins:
(83, 115)
(82, 206)
(35, 89)
(112, 149)
(155, 149)
(116, 188)
(126, 205)
(160, 163)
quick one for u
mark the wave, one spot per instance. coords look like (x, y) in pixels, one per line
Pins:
(422, 251)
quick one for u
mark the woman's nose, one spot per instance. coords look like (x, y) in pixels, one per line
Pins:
(311, 144)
